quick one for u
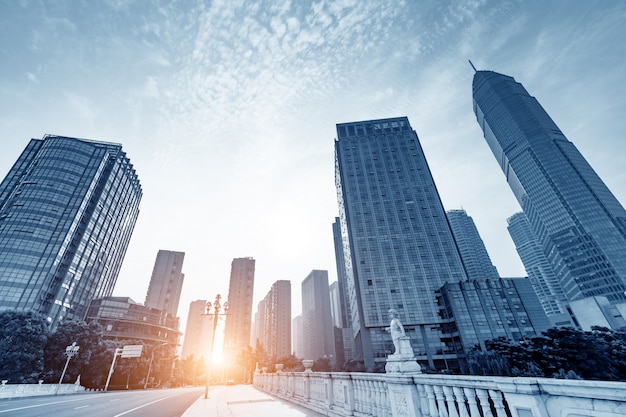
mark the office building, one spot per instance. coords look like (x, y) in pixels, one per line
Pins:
(474, 255)
(274, 317)
(198, 332)
(239, 318)
(296, 339)
(345, 344)
(166, 282)
(397, 243)
(478, 310)
(67, 211)
(539, 270)
(317, 323)
(578, 222)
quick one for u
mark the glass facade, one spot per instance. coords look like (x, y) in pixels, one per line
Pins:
(67, 211)
(540, 273)
(477, 262)
(397, 244)
(478, 310)
(579, 223)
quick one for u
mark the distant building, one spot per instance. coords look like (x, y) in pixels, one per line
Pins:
(397, 244)
(274, 317)
(239, 318)
(198, 332)
(317, 326)
(123, 319)
(68, 208)
(542, 277)
(129, 323)
(579, 223)
(297, 340)
(166, 282)
(478, 310)
(474, 255)
(335, 304)
(345, 344)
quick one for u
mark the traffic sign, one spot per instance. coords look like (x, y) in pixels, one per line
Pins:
(132, 351)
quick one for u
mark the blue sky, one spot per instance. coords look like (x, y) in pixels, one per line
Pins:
(228, 108)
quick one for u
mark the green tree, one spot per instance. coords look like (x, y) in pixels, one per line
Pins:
(23, 335)
(321, 365)
(92, 361)
(564, 352)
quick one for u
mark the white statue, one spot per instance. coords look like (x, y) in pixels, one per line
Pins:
(396, 329)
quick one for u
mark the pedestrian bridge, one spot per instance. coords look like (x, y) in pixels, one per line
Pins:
(424, 395)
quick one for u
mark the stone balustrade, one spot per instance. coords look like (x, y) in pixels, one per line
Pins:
(33, 390)
(424, 395)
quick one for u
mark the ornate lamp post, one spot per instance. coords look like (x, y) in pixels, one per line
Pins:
(217, 306)
(70, 351)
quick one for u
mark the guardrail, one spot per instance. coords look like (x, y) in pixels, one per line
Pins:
(33, 390)
(424, 395)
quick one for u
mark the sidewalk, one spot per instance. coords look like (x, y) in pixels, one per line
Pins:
(244, 401)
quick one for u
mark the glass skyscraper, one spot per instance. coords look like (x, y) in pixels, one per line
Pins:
(398, 247)
(540, 273)
(67, 211)
(579, 223)
(475, 257)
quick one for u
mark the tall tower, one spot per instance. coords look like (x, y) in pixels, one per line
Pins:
(474, 255)
(579, 223)
(239, 319)
(68, 208)
(317, 324)
(398, 246)
(541, 275)
(166, 282)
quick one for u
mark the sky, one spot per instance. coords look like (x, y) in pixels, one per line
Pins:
(227, 110)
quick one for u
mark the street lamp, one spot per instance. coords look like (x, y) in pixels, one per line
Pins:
(145, 385)
(70, 351)
(217, 306)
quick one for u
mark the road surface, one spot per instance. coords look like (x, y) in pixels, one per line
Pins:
(154, 403)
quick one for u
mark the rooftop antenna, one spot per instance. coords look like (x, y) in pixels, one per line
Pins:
(470, 61)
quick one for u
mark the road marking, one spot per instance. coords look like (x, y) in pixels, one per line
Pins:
(147, 404)
(82, 406)
(40, 405)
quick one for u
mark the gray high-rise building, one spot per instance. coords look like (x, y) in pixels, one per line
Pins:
(397, 243)
(166, 282)
(67, 211)
(539, 270)
(580, 224)
(474, 255)
(274, 321)
(239, 318)
(317, 324)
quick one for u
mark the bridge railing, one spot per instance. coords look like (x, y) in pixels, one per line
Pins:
(425, 395)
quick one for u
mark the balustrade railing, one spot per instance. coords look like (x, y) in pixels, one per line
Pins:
(425, 395)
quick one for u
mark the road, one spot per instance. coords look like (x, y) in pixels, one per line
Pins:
(154, 403)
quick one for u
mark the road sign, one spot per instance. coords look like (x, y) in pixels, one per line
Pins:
(132, 351)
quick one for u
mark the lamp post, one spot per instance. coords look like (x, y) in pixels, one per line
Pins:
(217, 306)
(70, 351)
(145, 385)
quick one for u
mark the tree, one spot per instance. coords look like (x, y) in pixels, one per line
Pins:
(321, 365)
(92, 361)
(564, 352)
(23, 335)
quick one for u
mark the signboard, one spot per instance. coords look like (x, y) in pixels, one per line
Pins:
(132, 351)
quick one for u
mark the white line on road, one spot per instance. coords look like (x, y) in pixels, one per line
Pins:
(40, 405)
(147, 404)
(82, 406)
